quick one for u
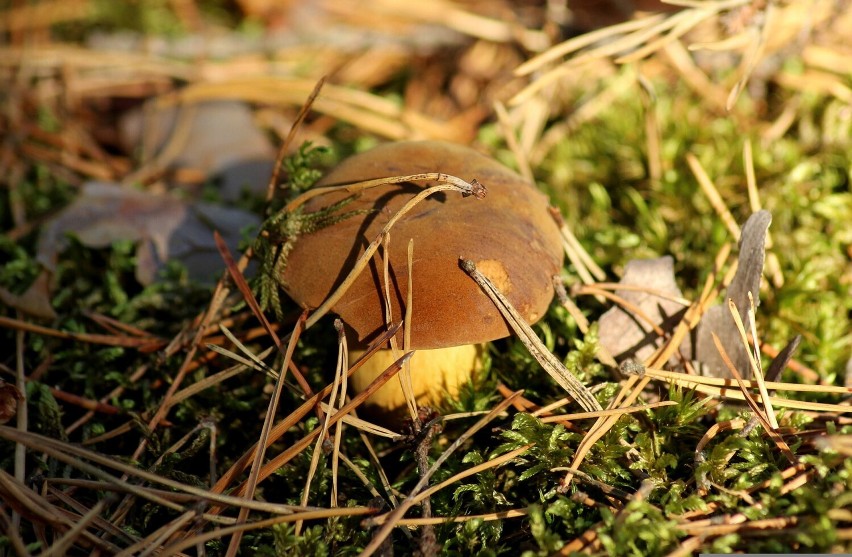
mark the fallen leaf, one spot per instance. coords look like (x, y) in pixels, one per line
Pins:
(773, 372)
(165, 227)
(35, 301)
(718, 319)
(10, 396)
(212, 140)
(626, 335)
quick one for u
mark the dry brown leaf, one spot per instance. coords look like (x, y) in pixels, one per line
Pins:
(35, 301)
(215, 139)
(718, 318)
(165, 227)
(627, 335)
(10, 396)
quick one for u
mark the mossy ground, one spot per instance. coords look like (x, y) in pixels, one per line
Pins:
(643, 488)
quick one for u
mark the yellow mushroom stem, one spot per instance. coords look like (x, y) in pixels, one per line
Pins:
(435, 375)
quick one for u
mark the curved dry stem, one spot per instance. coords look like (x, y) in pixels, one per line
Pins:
(466, 188)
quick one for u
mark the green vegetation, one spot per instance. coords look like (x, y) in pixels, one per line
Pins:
(657, 478)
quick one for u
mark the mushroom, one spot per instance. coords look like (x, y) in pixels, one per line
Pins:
(509, 235)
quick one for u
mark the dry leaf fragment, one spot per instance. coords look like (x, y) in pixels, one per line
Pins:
(627, 335)
(166, 228)
(718, 318)
(35, 301)
(214, 139)
(10, 396)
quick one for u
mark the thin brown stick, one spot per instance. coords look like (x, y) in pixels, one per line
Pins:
(291, 135)
(144, 344)
(312, 514)
(252, 482)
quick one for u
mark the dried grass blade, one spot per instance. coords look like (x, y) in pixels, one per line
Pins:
(516, 513)
(336, 385)
(685, 380)
(380, 470)
(147, 344)
(343, 371)
(512, 141)
(638, 38)
(782, 445)
(713, 196)
(580, 258)
(598, 286)
(548, 361)
(251, 359)
(31, 504)
(755, 366)
(281, 459)
(252, 482)
(61, 546)
(291, 135)
(295, 416)
(104, 526)
(405, 375)
(363, 425)
(620, 411)
(71, 455)
(491, 463)
(12, 535)
(312, 514)
(158, 538)
(711, 432)
(735, 394)
(235, 271)
(569, 305)
(694, 18)
(627, 395)
(582, 41)
(360, 475)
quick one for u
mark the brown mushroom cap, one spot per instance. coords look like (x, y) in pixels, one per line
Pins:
(509, 234)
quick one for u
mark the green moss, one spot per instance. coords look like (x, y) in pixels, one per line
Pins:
(599, 177)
